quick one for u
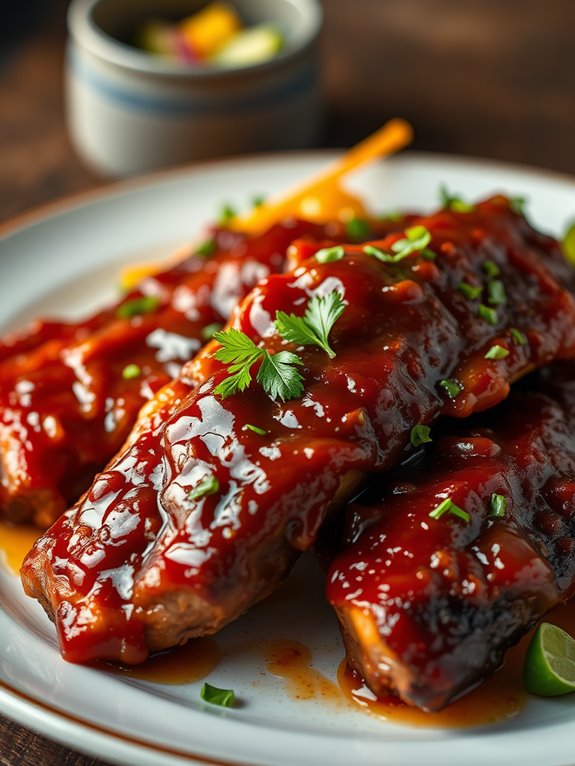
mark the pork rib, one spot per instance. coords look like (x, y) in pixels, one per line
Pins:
(70, 393)
(140, 565)
(429, 605)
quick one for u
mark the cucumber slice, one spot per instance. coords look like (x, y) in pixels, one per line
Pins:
(252, 46)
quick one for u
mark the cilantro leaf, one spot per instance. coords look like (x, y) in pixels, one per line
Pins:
(240, 353)
(277, 373)
(279, 377)
(314, 327)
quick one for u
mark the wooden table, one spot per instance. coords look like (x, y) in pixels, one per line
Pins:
(489, 79)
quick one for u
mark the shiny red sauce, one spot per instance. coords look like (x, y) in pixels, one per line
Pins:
(70, 392)
(137, 540)
(429, 605)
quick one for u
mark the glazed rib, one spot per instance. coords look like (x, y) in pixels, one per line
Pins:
(429, 606)
(139, 565)
(70, 393)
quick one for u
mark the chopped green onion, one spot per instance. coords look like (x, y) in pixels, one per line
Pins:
(518, 205)
(131, 371)
(146, 304)
(415, 241)
(498, 505)
(453, 202)
(227, 214)
(256, 429)
(490, 268)
(428, 254)
(210, 330)
(417, 238)
(380, 254)
(471, 292)
(258, 200)
(519, 337)
(420, 435)
(330, 254)
(207, 486)
(490, 315)
(206, 248)
(497, 352)
(448, 506)
(215, 696)
(358, 229)
(496, 292)
(451, 387)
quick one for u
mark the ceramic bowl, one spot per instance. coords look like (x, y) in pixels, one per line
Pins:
(130, 111)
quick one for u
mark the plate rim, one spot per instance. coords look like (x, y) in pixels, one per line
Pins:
(110, 188)
(36, 713)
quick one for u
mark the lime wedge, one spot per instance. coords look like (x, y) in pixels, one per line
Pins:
(250, 47)
(550, 662)
(569, 244)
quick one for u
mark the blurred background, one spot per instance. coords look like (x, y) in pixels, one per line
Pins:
(490, 78)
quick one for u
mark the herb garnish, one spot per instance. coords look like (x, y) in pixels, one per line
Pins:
(330, 254)
(227, 214)
(518, 204)
(519, 337)
(206, 248)
(451, 387)
(496, 292)
(497, 352)
(258, 200)
(419, 435)
(415, 241)
(277, 374)
(146, 304)
(210, 330)
(448, 506)
(498, 505)
(314, 327)
(490, 268)
(131, 371)
(453, 202)
(215, 696)
(256, 429)
(471, 292)
(209, 485)
(358, 228)
(490, 315)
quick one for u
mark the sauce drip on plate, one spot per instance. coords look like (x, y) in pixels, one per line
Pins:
(291, 661)
(183, 665)
(15, 542)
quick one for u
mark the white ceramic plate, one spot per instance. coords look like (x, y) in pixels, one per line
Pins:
(65, 262)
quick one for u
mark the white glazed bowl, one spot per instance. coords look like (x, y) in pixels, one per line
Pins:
(129, 111)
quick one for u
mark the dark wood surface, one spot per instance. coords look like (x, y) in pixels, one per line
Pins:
(492, 79)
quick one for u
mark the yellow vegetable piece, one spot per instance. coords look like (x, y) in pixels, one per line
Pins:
(132, 275)
(321, 199)
(210, 28)
(392, 137)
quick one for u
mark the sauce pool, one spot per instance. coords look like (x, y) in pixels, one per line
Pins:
(15, 542)
(182, 665)
(497, 699)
